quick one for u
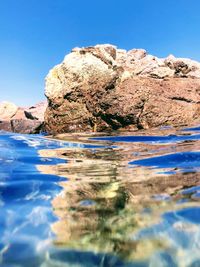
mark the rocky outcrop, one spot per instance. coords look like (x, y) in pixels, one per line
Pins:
(22, 120)
(104, 88)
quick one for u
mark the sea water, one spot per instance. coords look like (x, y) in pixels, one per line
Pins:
(130, 199)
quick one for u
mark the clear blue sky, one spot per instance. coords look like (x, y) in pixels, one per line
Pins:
(36, 34)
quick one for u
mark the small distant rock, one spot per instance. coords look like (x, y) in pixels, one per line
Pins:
(22, 120)
(7, 110)
(27, 126)
(38, 110)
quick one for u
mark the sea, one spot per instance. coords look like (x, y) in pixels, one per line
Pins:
(125, 199)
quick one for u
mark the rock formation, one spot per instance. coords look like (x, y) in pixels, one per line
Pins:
(103, 88)
(22, 120)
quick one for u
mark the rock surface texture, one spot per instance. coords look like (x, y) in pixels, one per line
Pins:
(103, 88)
(22, 120)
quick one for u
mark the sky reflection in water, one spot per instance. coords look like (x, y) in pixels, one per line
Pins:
(105, 201)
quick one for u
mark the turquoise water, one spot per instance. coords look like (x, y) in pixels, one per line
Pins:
(87, 200)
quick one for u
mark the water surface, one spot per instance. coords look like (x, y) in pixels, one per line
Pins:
(119, 200)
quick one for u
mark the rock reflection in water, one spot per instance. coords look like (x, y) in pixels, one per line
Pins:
(109, 206)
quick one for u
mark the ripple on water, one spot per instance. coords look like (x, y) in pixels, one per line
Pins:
(100, 201)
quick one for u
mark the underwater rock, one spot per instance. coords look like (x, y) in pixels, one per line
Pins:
(103, 88)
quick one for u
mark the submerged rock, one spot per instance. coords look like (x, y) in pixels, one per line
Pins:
(104, 88)
(22, 120)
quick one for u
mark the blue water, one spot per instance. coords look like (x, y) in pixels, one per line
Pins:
(100, 201)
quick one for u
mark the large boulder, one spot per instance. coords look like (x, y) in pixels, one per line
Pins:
(73, 86)
(22, 120)
(104, 88)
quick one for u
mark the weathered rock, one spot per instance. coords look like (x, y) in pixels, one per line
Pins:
(22, 120)
(7, 110)
(183, 67)
(26, 126)
(84, 75)
(103, 88)
(155, 102)
(38, 110)
(6, 126)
